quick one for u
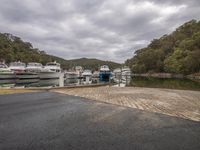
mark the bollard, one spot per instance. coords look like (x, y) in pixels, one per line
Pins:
(61, 80)
(87, 79)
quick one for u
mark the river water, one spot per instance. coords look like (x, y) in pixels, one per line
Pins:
(172, 83)
(135, 82)
(45, 82)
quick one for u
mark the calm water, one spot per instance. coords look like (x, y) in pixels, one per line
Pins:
(40, 83)
(135, 81)
(185, 84)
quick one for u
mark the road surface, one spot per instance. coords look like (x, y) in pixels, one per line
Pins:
(51, 121)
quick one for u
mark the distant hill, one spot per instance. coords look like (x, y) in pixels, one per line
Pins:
(12, 48)
(92, 63)
(178, 52)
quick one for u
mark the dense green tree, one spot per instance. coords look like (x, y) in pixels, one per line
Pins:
(12, 48)
(178, 52)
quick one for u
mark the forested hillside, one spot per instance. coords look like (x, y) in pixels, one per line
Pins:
(12, 48)
(178, 52)
(93, 64)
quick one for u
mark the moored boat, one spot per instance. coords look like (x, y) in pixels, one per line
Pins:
(6, 75)
(52, 70)
(95, 74)
(105, 74)
(126, 74)
(117, 74)
(87, 76)
(19, 68)
(34, 67)
(5, 72)
(71, 75)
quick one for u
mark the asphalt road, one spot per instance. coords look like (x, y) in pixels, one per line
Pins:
(51, 121)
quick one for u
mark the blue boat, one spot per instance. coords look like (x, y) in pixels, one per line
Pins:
(105, 74)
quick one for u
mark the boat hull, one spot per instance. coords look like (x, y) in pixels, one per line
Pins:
(71, 75)
(7, 76)
(49, 75)
(105, 76)
(26, 75)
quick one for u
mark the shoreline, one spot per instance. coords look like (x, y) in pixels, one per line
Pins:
(195, 76)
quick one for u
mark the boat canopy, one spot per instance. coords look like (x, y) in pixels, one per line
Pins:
(17, 64)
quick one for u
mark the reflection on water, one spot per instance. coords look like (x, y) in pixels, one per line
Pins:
(165, 83)
(30, 82)
(135, 81)
(72, 81)
(41, 83)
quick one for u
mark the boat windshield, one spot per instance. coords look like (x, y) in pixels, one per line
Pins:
(87, 71)
(52, 64)
(34, 65)
(17, 64)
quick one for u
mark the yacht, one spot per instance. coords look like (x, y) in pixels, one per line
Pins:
(126, 74)
(5, 72)
(87, 76)
(34, 67)
(6, 75)
(117, 74)
(19, 68)
(105, 73)
(95, 74)
(52, 70)
(71, 75)
(53, 66)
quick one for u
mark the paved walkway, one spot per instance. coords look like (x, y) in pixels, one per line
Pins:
(51, 121)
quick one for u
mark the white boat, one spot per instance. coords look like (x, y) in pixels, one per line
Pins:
(126, 74)
(17, 66)
(104, 68)
(95, 74)
(6, 75)
(87, 76)
(105, 73)
(87, 73)
(53, 66)
(71, 75)
(34, 67)
(52, 70)
(19, 69)
(117, 74)
(126, 71)
(5, 72)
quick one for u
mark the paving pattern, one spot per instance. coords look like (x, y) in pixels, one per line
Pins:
(179, 103)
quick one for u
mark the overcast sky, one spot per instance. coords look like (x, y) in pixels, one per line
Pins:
(103, 29)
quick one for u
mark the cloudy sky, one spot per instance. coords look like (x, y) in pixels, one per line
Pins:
(104, 29)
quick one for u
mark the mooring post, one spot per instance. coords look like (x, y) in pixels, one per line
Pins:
(126, 80)
(61, 80)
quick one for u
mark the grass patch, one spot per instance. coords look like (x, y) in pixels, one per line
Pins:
(12, 91)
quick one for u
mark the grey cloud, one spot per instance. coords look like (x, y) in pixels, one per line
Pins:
(104, 29)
